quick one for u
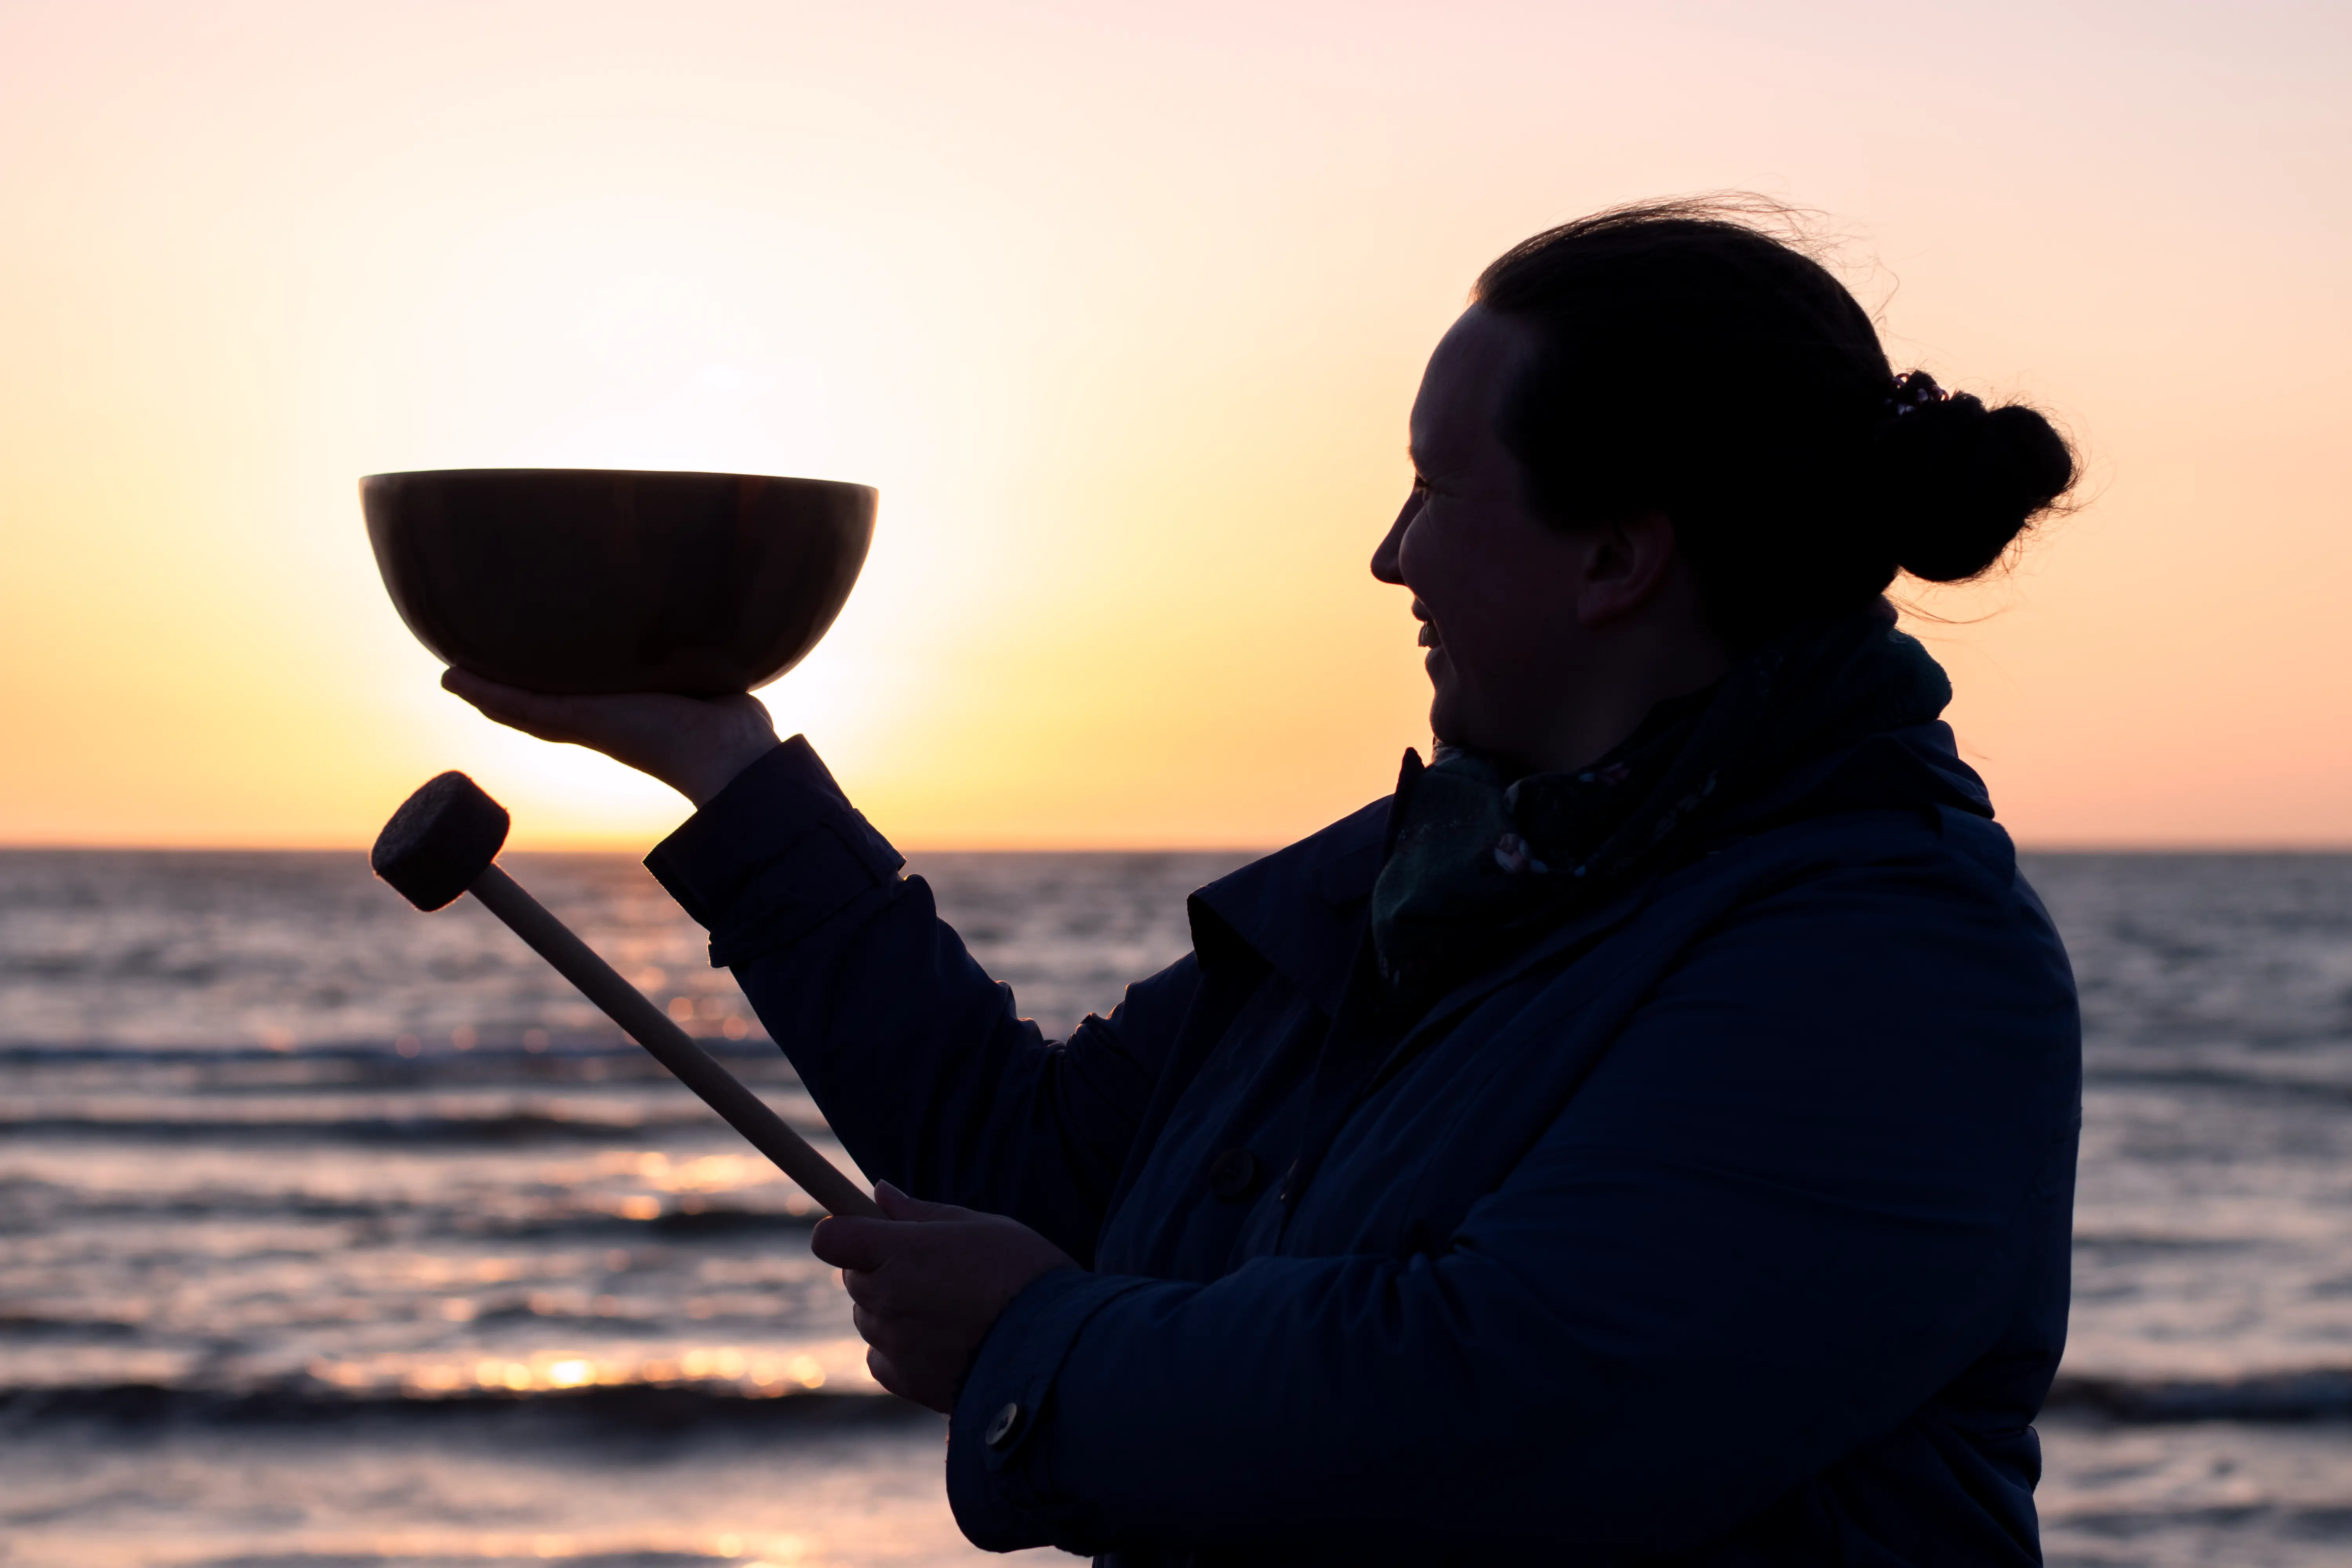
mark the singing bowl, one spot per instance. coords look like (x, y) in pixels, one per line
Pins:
(605, 580)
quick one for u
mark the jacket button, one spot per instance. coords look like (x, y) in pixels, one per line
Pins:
(1233, 1174)
(1000, 1431)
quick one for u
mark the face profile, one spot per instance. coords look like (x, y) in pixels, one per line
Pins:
(1487, 577)
(1525, 622)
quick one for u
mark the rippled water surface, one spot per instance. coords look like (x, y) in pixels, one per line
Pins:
(330, 1232)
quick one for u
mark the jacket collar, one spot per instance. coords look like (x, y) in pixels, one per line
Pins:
(1303, 909)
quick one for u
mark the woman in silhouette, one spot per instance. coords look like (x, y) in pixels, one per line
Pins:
(1649, 1133)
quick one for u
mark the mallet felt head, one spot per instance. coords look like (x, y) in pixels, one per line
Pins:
(440, 840)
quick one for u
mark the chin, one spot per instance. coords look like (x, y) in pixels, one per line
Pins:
(1445, 726)
(1449, 725)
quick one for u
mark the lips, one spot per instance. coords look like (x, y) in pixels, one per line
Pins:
(1428, 637)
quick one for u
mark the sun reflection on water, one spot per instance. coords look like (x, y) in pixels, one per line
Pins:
(761, 1373)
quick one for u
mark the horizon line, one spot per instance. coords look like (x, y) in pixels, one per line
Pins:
(616, 847)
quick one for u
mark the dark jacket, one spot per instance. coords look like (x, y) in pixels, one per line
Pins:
(1726, 1224)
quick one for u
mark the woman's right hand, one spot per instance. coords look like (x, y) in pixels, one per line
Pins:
(695, 745)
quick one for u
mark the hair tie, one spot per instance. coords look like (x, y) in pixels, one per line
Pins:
(1915, 389)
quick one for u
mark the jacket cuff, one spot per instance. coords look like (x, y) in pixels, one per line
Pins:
(771, 857)
(999, 1471)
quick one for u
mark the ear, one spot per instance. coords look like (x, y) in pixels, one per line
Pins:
(1625, 563)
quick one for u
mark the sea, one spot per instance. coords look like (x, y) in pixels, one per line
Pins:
(336, 1234)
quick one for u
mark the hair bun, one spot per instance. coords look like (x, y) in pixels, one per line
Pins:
(1960, 481)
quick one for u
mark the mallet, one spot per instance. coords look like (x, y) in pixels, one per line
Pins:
(444, 842)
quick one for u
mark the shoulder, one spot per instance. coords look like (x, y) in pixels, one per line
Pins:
(1897, 822)
(1870, 970)
(1914, 902)
(1938, 903)
(1868, 920)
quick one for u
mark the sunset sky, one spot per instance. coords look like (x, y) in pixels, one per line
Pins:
(1121, 307)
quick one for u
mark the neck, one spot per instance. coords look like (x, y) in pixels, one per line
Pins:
(1622, 685)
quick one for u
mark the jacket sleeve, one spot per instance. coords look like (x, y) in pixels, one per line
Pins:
(916, 1056)
(1796, 1199)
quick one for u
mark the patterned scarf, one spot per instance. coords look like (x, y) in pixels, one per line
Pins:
(1480, 864)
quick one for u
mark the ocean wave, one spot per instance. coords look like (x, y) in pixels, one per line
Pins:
(2315, 1395)
(679, 1220)
(2112, 1243)
(606, 1040)
(601, 1219)
(2312, 1393)
(2332, 1089)
(434, 1058)
(627, 1407)
(554, 1124)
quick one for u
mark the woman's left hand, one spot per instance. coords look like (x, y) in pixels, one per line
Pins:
(695, 746)
(929, 1283)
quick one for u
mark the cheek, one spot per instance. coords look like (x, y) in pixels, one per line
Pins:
(1429, 559)
(1486, 599)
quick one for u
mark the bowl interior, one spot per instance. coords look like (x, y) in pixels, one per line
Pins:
(605, 580)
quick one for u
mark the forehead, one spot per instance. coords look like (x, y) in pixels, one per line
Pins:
(1462, 391)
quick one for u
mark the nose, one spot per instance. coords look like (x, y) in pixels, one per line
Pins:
(1388, 563)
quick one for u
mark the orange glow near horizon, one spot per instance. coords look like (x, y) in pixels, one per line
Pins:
(1122, 308)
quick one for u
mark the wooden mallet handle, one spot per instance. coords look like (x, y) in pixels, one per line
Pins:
(443, 843)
